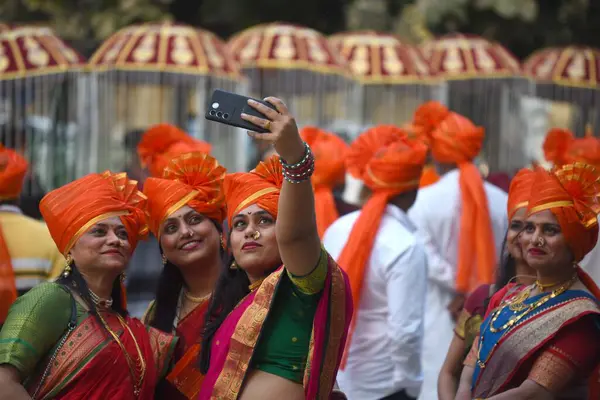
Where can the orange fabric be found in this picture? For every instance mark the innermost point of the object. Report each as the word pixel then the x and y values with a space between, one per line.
pixel 429 176
pixel 456 140
pixel 330 171
pixel 388 168
pixel 163 142
pixel 260 186
pixel 71 209
pixel 520 191
pixel 585 150
pixel 13 168
pixel 570 193
pixel 556 146
pixel 192 174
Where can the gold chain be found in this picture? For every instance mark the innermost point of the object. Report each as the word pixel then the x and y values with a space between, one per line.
pixel 133 367
pixel 256 284
pixel 195 299
pixel 511 322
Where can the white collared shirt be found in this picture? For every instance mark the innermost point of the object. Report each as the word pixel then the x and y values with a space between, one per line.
pixel 384 356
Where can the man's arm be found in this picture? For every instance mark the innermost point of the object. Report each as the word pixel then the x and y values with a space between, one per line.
pixel 406 281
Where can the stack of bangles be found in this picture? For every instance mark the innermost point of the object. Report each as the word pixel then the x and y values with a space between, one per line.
pixel 302 170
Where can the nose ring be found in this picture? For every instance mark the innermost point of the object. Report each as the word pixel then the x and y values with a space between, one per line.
pixel 255 235
pixel 541 242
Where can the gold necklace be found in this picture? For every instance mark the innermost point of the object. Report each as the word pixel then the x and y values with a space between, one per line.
pixel 136 367
pixel 256 284
pixel 195 299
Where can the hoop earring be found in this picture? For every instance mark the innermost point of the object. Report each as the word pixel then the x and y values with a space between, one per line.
pixel 68 269
pixel 164 260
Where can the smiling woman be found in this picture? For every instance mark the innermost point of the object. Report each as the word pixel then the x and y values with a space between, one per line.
pixel 187 208
pixel 84 343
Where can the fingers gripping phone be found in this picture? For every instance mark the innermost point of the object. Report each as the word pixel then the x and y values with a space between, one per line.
pixel 227 108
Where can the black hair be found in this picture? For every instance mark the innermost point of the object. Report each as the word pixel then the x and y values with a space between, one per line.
pixel 506 273
pixel 167 293
pixel 132 139
pixel 75 282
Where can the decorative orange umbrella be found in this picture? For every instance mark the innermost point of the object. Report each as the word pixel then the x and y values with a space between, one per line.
pixel 568 74
pixel 297 64
pixel 484 83
pixel 39 74
pixel 163 72
pixel 393 77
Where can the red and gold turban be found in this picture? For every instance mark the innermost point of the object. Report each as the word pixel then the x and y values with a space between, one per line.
pixel 519 191
pixel 13 168
pixel 193 179
pixel 571 194
pixel 389 164
pixel 71 210
pixel 260 186
pixel 330 171
pixel 456 140
pixel 163 142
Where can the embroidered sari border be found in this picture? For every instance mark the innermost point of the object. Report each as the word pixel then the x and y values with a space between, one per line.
pixel 526 338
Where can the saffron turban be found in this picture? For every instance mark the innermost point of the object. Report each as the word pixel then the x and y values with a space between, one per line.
pixel 330 171
pixel 261 186
pixel 72 209
pixel 13 168
pixel 429 175
pixel 389 164
pixel 163 142
pixel 519 191
pixel 193 179
pixel 561 147
pixel 456 140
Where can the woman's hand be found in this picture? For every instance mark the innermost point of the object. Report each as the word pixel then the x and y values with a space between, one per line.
pixel 283 133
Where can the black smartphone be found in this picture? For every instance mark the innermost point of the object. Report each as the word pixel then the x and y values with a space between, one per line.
pixel 227 108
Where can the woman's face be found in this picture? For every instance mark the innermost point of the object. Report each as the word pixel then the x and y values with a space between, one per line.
pixel 256 253
pixel 512 236
pixel 104 247
pixel 544 246
pixel 187 238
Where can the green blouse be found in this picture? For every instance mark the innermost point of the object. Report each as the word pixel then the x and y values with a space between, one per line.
pixel 35 323
pixel 282 349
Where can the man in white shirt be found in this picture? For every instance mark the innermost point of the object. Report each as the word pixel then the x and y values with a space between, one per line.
pixel 462 223
pixel 387 269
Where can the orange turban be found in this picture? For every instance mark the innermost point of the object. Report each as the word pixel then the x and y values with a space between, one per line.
pixel 519 191
pixel 13 168
pixel 388 168
pixel 561 147
pixel 456 140
pixel 163 142
pixel 71 210
pixel 571 194
pixel 193 179
pixel 416 132
pixel 330 171
pixel 260 186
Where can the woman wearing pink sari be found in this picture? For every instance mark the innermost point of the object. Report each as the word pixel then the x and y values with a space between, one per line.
pixel 277 323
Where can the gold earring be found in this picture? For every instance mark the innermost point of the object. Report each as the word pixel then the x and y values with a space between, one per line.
pixel 122 277
pixel 233 265
pixel 164 259
pixel 68 269
pixel 222 241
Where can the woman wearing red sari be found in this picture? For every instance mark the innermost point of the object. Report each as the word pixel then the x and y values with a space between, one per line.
pixel 186 208
pixel 279 315
pixel 541 341
pixel 73 339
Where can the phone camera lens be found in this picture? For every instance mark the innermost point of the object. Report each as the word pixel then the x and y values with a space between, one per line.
pixel 226 116
pixel 219 114
pixel 213 112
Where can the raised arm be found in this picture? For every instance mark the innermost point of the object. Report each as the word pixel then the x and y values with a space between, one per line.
pixel 297 236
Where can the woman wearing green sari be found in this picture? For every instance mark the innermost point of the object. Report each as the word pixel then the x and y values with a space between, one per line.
pixel 73 339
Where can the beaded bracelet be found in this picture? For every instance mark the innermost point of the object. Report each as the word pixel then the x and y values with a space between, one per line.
pixel 302 170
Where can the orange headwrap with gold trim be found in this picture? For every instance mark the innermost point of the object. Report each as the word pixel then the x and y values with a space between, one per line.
pixel 330 171
pixel 13 168
pixel 193 179
pixel 71 210
pixel 519 191
pixel 571 194
pixel 456 140
pixel 388 164
pixel 163 142
pixel 261 186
